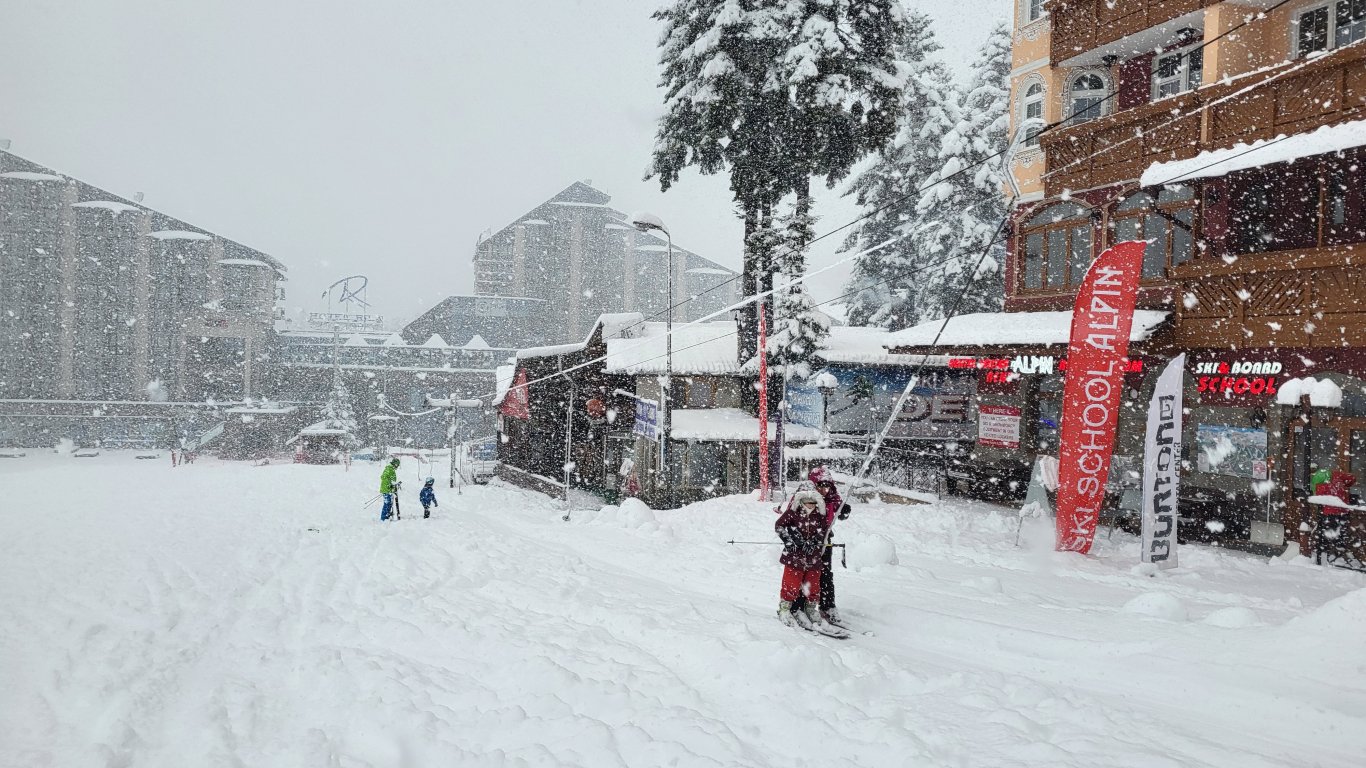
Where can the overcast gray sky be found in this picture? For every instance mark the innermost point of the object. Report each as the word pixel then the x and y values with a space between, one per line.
pixel 357 136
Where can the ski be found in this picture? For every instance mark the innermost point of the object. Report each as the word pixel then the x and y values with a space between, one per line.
pixel 838 633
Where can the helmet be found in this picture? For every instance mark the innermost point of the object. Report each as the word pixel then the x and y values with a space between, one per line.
pixel 394 462
pixel 430 480
pixel 820 475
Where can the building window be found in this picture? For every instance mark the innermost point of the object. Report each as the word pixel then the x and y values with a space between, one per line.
pixel 1089 95
pixel 1033 10
pixel 1032 114
pixel 1177 72
pixel 1306 204
pixel 1330 26
pixel 1166 221
pixel 1056 248
pixel 705 465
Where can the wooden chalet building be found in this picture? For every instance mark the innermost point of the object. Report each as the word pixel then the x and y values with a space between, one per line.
pixel 1231 135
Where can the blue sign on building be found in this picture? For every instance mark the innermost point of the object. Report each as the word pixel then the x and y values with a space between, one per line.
pixel 647 420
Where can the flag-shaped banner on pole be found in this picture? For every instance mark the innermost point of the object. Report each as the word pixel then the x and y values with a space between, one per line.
pixel 1091 390
pixel 1162 466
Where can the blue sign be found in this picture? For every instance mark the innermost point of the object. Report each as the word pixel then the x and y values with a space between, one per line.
pixel 805 405
pixel 647 420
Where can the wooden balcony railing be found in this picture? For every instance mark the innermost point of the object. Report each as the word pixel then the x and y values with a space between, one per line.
pixel 1117 148
pixel 1078 26
pixel 1303 298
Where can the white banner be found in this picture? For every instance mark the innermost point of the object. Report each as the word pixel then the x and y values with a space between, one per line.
pixel 1162 466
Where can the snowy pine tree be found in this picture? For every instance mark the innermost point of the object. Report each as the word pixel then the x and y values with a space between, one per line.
pixel 884 284
pixel 799 327
pixel 959 216
pixel 775 93
pixel 337 410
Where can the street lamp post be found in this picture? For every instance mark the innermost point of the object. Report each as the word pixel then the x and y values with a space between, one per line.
pixel 646 222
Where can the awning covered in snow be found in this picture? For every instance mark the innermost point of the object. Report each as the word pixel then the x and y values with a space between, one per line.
pixel 733 424
pixel 1240 157
pixel 989 329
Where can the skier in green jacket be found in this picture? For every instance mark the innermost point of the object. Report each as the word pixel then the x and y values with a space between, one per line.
pixel 388 485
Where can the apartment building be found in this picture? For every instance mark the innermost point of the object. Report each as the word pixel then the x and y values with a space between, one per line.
pixel 1230 135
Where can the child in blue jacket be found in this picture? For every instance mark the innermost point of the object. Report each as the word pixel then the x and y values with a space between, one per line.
pixel 427 497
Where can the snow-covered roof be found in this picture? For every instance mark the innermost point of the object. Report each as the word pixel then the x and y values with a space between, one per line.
pixel 1218 162
pixel 113 206
pixel 534 221
pixel 816 453
pixel 988 329
pixel 263 409
pixel 729 424
pixel 436 342
pixel 617 225
pixel 356 340
pixel 707 271
pixel 551 350
pixel 30 176
pixel 698 349
pixel 395 340
pixel 613 325
pixel 323 428
pixel 243 263
pixel 655 248
pixel 857 345
pixel 178 234
pixel 575 204
pixel 502 382
pixel 476 342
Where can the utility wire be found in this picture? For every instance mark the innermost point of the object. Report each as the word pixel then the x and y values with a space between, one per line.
pixel 756 297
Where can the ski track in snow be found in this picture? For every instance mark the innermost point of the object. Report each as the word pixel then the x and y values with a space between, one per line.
pixel 152 616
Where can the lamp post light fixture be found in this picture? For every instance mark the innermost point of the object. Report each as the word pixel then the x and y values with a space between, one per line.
pixel 647 222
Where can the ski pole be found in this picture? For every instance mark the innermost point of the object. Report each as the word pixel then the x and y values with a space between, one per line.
pixel 765 543
pixel 372 501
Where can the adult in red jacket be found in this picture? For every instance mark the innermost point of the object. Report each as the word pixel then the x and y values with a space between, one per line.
pixel 835 508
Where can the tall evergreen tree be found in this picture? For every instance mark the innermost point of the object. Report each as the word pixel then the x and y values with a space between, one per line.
pixel 337 410
pixel 884 283
pixel 959 216
pixel 775 92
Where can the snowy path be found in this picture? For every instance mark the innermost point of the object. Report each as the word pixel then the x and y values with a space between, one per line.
pixel 159 617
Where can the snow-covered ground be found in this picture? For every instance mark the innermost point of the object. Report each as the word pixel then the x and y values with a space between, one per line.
pixel 223 614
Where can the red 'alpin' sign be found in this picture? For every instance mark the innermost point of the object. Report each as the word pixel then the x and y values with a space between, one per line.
pixel 1092 387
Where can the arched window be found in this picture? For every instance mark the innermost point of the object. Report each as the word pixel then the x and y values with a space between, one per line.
pixel 1167 220
pixel 1055 248
pixel 1031 114
pixel 1089 94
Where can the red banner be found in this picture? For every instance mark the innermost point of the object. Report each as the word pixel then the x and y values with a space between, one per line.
pixel 1092 389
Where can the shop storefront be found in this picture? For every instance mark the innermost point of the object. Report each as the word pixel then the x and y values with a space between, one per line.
pixel 1015 363
pixel 1260 424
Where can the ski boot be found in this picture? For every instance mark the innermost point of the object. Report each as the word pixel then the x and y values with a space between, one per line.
pixel 785 614
pixel 819 624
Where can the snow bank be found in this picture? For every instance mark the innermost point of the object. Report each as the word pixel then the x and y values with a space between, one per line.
pixel 1158 605
pixel 875 550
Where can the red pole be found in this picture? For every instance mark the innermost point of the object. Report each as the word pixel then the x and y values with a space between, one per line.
pixel 763 403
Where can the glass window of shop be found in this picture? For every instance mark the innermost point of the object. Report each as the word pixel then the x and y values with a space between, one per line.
pixel 1306 204
pixel 1166 219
